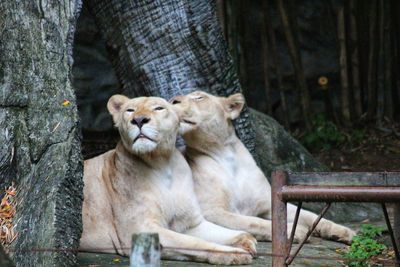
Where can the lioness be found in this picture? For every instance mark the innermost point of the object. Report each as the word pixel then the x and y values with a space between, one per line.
pixel 145 185
pixel 231 188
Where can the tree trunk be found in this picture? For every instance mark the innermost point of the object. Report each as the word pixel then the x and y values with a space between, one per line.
pixel 242 34
pixel 372 61
pixel 396 60
pixel 388 55
pixel 170 47
pixel 222 17
pixel 39 133
pixel 266 56
pixel 277 66
pixel 344 73
pixel 355 66
pixel 296 61
pixel 381 65
pixel 232 14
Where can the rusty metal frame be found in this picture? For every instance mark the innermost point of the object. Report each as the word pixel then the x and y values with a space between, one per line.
pixel 371 187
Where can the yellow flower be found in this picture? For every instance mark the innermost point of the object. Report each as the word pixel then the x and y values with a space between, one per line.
pixel 323 81
pixel 66 103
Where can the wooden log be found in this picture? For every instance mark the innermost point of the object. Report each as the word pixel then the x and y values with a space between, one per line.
pixel 145 250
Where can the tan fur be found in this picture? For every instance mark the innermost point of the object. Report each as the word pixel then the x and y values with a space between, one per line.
pixel 146 185
pixel 232 190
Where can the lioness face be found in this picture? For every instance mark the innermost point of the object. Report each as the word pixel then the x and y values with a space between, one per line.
pixel 146 124
pixel 211 115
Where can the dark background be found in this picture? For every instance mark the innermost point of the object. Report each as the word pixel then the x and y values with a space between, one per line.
pixel 353 45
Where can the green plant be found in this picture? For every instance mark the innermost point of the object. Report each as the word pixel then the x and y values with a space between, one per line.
pixel 356 136
pixel 364 246
pixel 324 134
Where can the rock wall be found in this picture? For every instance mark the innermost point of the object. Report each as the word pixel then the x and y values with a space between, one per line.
pixel 39 131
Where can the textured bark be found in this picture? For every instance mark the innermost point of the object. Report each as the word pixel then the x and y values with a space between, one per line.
pixel 39 137
pixel 170 47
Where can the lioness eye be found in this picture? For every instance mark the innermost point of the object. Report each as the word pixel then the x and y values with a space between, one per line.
pixel 130 110
pixel 198 98
pixel 159 108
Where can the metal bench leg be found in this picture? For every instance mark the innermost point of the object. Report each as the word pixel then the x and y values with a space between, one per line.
pixel 396 225
pixel 389 226
pixel 279 221
pixel 310 231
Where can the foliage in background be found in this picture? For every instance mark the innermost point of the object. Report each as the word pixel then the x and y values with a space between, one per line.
pixel 364 246
pixel 324 134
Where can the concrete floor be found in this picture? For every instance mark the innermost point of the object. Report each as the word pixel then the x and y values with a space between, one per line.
pixel 315 248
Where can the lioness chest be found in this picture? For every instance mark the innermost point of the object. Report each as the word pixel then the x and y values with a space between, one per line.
pixel 164 194
pixel 246 186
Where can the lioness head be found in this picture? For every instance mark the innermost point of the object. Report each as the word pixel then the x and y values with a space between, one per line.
pixel 204 117
pixel 146 124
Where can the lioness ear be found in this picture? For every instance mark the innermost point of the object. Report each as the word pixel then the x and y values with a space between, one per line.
pixel 115 103
pixel 234 105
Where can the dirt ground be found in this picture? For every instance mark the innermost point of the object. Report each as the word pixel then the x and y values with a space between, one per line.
pixel 379 150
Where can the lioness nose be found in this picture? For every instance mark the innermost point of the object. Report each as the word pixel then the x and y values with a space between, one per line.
pixel 139 121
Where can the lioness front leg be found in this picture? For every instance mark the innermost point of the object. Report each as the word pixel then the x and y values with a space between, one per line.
pixel 179 246
pixel 325 228
pixel 224 236
pixel 260 228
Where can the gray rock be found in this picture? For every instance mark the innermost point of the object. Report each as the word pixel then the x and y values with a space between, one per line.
pixel 278 150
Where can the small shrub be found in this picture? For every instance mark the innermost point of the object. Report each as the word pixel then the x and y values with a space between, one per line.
pixel 324 134
pixel 365 246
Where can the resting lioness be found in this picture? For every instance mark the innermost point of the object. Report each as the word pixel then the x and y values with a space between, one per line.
pixel 231 188
pixel 145 185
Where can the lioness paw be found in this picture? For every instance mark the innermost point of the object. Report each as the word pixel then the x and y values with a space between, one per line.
pixel 336 232
pixel 247 242
pixel 343 234
pixel 236 256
